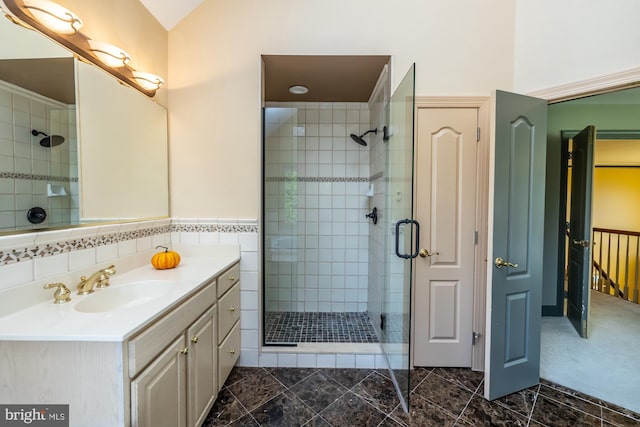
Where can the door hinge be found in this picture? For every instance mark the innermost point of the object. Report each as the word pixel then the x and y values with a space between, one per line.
pixel 475 336
pixel 475 237
pixel 478 135
pixel 565 294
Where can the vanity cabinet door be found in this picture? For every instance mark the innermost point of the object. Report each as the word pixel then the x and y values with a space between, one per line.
pixel 202 367
pixel 158 394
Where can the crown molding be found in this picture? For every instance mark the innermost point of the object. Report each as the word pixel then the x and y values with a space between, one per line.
pixel 593 86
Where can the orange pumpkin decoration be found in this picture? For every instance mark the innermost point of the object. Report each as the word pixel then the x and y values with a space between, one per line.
pixel 165 260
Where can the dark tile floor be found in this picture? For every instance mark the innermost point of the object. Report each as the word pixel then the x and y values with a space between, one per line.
pixel 360 397
pixel 298 327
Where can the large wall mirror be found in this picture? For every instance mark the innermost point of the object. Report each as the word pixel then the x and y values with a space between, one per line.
pixel 76 146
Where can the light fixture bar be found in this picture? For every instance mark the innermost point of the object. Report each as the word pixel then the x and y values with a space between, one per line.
pixel 108 57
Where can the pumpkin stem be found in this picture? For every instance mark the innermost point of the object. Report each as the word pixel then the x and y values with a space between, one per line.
pixel 166 249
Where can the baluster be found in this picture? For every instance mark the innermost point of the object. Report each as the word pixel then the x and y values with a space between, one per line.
pixel 617 282
pixel 626 271
pixel 636 293
pixel 608 270
pixel 600 280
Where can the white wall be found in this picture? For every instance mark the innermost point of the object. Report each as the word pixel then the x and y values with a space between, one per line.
pixel 462 47
pixel 560 42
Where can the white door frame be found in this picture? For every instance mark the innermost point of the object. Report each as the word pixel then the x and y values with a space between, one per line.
pixel 482 104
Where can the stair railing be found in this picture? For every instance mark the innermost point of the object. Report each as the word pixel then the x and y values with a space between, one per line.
pixel 616 263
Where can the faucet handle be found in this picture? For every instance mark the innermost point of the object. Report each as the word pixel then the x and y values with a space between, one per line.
pixel 103 279
pixel 62 293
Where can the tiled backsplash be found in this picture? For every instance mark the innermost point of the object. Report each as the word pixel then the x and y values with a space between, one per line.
pixel 37 256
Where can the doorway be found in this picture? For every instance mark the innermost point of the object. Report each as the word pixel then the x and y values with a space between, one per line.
pixel 616 110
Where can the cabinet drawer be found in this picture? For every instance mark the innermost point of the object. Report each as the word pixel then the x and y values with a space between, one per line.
pixel 228 353
pixel 228 311
pixel 146 345
pixel 228 278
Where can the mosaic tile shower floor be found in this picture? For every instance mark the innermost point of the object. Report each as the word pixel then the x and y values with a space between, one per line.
pixel 360 398
pixel 299 327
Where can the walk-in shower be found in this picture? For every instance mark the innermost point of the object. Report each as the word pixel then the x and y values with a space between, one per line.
pixel 316 234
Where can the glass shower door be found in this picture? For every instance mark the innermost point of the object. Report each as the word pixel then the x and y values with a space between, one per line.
pixel 283 256
pixel 402 231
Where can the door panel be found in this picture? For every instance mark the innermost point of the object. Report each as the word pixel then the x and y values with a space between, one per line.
pixel 446 154
pixel 397 217
pixel 443 310
pixel 515 285
pixel 580 230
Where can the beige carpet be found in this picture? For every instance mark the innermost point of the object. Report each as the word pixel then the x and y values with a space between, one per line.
pixel 607 364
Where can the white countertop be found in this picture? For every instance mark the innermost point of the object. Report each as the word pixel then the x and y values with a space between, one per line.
pixel 62 322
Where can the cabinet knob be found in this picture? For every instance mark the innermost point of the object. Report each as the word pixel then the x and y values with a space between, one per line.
pixel 232 309
pixel 232 278
pixel 232 351
pixel 194 340
pixel 184 350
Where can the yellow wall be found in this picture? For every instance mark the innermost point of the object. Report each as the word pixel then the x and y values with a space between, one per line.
pixel 616 202
pixel 461 47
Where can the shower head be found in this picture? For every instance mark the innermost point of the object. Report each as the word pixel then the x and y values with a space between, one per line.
pixel 359 139
pixel 48 140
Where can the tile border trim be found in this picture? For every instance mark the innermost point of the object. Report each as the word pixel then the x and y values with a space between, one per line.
pixel 36 177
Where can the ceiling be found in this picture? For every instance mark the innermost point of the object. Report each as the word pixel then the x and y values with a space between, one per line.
pixel 170 12
pixel 50 77
pixel 328 78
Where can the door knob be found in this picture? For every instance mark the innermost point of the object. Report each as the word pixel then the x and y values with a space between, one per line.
pixel 502 263
pixel 425 253
pixel 583 243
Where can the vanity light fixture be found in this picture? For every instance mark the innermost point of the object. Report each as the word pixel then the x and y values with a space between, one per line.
pixel 298 89
pixel 147 80
pixel 62 26
pixel 53 16
pixel 108 54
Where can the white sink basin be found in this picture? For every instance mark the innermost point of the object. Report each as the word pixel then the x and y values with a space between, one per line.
pixel 124 296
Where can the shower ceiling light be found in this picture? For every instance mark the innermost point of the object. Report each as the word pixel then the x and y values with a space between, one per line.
pixel 53 16
pixel 147 80
pixel 298 89
pixel 108 54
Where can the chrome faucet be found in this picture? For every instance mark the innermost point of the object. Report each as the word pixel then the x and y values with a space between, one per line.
pixel 100 279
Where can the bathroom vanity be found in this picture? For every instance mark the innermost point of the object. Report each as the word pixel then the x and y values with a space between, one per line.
pixel 153 349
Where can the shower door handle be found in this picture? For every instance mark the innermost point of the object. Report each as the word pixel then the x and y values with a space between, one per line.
pixel 417 238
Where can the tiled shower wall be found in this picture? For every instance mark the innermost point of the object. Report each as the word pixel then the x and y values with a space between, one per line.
pixel 32 175
pixel 316 233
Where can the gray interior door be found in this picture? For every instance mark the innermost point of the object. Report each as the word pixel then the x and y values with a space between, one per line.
pixel 515 289
pixel 580 231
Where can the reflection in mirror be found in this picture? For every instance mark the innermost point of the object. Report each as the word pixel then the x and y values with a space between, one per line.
pixel 48 131
pixel 123 150
pixel 38 140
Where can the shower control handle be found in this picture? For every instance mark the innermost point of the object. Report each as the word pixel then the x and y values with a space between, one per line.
pixel 373 215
